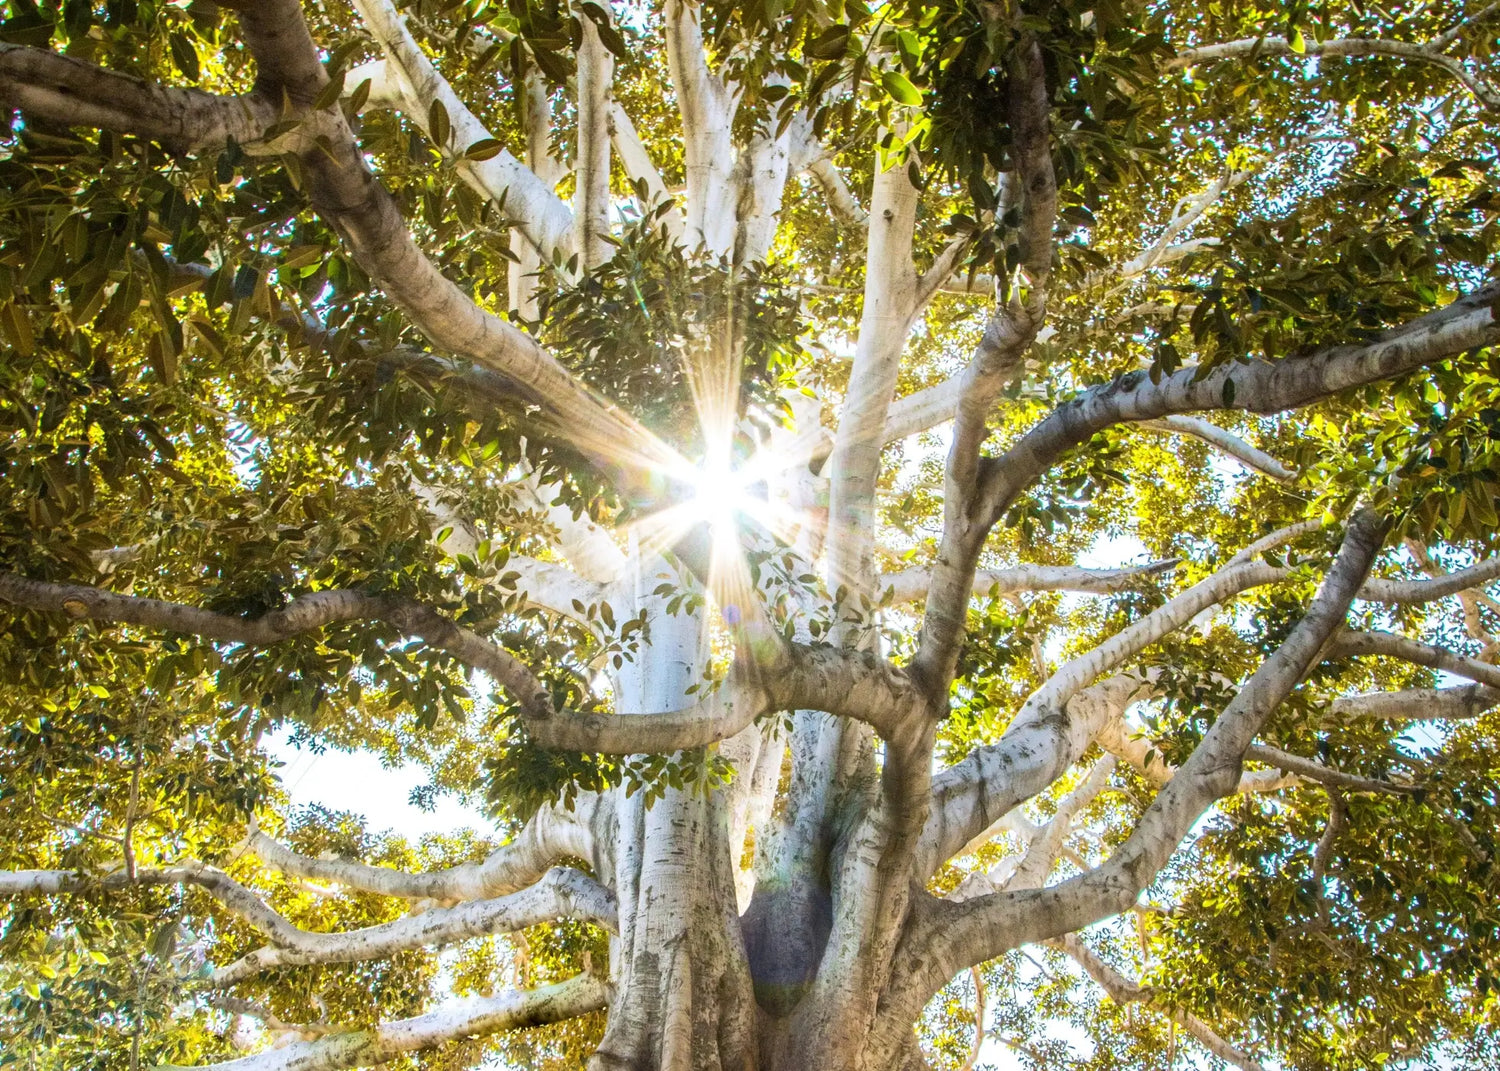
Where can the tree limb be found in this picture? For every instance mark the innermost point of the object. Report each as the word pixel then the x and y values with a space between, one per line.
pixel 1419 591
pixel 1256 47
pixel 1123 991
pixel 1225 441
pixel 954 936
pixel 911 584
pixel 561 893
pixel 1258 386
pixel 305 613
pixel 1047 736
pixel 234 897
pixel 1325 775
pixel 537 211
pixel 707 108
pixel 1420 704
pixel 472 1018
pixel 60 89
pixel 1389 645
pixel 548 836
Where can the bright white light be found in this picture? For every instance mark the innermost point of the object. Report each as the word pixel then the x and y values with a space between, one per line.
pixel 720 495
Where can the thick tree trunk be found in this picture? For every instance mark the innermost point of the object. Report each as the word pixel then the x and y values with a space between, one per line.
pixel 682 997
pixel 682 990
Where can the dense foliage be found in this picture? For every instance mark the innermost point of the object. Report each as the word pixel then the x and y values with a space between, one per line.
pixel 204 399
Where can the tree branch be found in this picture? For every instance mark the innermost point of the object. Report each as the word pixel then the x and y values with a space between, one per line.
pixel 707 108
pixel 1420 704
pixel 1256 47
pixel 561 893
pixel 305 613
pixel 594 82
pixel 234 897
pixel 1047 736
pixel 1224 441
pixel 1389 645
pixel 1324 775
pixel 911 584
pixel 841 200
pixel 1419 591
pixel 640 168
pixel 951 937
pixel 60 89
pixel 1258 386
pixel 472 1018
pixel 548 836
pixel 1123 991
pixel 536 210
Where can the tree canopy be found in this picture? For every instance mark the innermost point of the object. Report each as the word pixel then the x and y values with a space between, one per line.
pixel 926 528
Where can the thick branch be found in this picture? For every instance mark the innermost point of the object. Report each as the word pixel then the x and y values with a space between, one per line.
pixel 1418 591
pixel 1419 704
pixel 596 69
pixel 472 1018
pixel 911 584
pixel 47 87
pixel 960 935
pixel 303 614
pixel 841 200
pixel 540 215
pixel 707 108
pixel 562 893
pixel 1047 735
pixel 1389 645
pixel 640 167
pixel 547 837
pixel 1257 386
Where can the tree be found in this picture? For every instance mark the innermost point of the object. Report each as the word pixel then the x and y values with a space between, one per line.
pixel 680 426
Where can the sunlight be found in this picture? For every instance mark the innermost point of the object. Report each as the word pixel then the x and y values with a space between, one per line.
pixel 721 495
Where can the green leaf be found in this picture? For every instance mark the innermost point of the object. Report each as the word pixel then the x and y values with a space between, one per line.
pixel 831 44
pixel 900 89
pixel 438 127
pixel 484 149
pixel 184 55
pixel 1297 43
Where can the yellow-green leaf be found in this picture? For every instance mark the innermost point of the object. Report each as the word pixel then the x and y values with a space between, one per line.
pixel 899 88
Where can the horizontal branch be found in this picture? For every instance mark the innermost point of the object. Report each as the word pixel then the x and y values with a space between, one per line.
pixel 1389 645
pixel 303 614
pixel 234 897
pixel 1325 775
pixel 561 893
pixel 51 88
pixel 1259 386
pixel 1124 991
pixel 1418 591
pixel 911 584
pixel 791 677
pixel 547 837
pixel 1269 47
pixel 1420 704
pixel 472 1018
